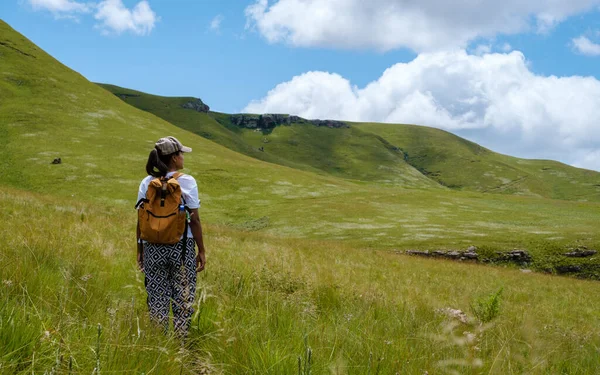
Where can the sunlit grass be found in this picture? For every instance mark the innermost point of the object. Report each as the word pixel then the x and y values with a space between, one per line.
pixel 300 264
pixel 263 300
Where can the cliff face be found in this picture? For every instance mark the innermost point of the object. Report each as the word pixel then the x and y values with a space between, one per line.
pixel 270 121
pixel 196 105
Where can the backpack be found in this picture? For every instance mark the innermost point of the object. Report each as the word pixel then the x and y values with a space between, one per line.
pixel 162 213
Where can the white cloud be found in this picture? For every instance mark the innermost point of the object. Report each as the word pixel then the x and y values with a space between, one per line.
pixel 494 99
pixel 61 7
pixel 420 25
pixel 114 17
pixel 585 46
pixel 482 49
pixel 506 47
pixel 589 159
pixel 215 24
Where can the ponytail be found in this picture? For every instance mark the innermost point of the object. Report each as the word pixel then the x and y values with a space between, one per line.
pixel 157 165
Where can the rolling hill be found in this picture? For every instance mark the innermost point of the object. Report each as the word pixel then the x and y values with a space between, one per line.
pixel 49 111
pixel 380 153
pixel 301 276
pixel 346 152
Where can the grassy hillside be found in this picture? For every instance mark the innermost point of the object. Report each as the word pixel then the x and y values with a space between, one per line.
pixel 464 165
pixel 49 111
pixel 346 153
pixel 298 262
pixel 382 153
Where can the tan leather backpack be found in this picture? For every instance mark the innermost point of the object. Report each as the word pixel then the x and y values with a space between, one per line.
pixel 162 214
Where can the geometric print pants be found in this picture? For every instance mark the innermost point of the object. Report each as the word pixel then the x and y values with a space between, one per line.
pixel 170 284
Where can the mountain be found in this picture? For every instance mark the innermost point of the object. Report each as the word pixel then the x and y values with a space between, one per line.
pixel 321 181
pixel 460 164
pixel 342 152
pixel 307 270
pixel 392 154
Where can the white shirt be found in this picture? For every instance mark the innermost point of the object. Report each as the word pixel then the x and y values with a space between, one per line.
pixel 189 191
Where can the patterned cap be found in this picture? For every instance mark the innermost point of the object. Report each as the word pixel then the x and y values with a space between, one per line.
pixel 170 145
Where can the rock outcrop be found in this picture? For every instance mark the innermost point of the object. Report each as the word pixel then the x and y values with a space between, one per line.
pixel 270 121
pixel 124 96
pixel 470 253
pixel 568 268
pixel 513 256
pixel 196 105
pixel 580 252
pixel 579 268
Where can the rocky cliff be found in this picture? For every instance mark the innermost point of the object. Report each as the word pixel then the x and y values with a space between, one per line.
pixel 270 121
pixel 196 105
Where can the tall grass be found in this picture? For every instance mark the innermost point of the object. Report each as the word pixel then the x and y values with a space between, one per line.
pixel 293 268
pixel 49 111
pixel 265 302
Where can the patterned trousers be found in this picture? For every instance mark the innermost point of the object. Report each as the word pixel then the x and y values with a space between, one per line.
pixel 171 284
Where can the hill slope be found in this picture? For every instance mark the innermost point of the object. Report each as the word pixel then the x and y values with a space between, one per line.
pixel 73 301
pixel 345 152
pixel 381 153
pixel 49 111
pixel 461 164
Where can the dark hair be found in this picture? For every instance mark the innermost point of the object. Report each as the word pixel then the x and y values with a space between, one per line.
pixel 158 164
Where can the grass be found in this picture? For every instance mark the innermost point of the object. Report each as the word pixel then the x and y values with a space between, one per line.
pixel 263 301
pixel 103 143
pixel 464 165
pixel 389 154
pixel 298 262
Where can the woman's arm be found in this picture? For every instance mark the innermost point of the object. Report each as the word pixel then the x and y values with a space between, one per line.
pixel 140 248
pixel 196 227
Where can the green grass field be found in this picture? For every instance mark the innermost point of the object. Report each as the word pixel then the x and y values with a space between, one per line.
pixel 302 276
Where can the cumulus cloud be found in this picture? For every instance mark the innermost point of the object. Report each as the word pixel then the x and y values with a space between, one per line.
pixel 493 98
pixel 215 24
pixel 506 47
pixel 114 17
pixel 420 25
pixel 61 7
pixel 589 159
pixel 482 49
pixel 585 46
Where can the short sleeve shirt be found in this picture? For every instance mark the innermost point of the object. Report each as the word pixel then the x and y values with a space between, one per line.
pixel 189 191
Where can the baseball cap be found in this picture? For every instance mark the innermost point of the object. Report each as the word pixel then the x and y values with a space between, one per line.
pixel 170 145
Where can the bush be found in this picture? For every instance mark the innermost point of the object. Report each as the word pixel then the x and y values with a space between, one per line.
pixel 487 308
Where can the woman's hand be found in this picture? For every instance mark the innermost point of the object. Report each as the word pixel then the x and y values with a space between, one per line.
pixel 200 261
pixel 196 228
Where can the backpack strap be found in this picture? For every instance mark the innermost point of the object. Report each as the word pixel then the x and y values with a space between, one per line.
pixel 139 203
pixel 163 191
pixel 184 239
pixel 176 176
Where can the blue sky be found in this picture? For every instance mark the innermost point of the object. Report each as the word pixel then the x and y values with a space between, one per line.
pixel 483 71
pixel 183 56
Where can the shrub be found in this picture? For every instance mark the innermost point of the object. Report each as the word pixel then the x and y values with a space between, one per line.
pixel 487 308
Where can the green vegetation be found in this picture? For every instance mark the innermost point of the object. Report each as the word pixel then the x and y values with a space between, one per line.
pixel 487 308
pixel 300 264
pixel 264 301
pixel 393 154
pixel 458 163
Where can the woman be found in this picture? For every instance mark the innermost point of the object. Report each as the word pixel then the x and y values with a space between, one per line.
pixel 170 280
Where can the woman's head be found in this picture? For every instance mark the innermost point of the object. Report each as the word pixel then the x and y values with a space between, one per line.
pixel 166 156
